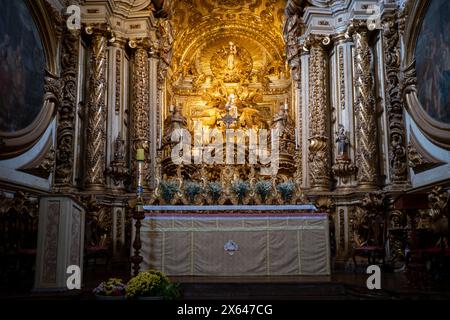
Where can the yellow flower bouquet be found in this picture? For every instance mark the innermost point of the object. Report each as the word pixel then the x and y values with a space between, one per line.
pixel 151 283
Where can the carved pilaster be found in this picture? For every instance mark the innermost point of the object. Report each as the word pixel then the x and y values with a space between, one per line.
pixel 140 112
pixel 394 104
pixel 67 109
pixel 366 156
pixel 319 148
pixel 96 131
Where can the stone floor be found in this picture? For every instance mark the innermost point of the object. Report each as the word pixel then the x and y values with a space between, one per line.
pixel 341 285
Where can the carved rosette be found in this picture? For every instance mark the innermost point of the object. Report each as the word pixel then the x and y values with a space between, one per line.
pixel 318 140
pixel 96 133
pixel 365 112
pixel 394 104
pixel 67 109
pixel 141 106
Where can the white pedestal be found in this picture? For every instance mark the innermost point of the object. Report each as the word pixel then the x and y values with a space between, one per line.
pixel 60 242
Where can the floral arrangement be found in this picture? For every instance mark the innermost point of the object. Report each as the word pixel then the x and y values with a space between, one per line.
pixel 113 287
pixel 168 190
pixel 263 189
pixel 287 190
pixel 240 188
pixel 151 283
pixel 192 189
pixel 214 190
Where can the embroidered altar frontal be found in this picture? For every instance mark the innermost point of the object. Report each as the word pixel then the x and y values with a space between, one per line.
pixel 236 244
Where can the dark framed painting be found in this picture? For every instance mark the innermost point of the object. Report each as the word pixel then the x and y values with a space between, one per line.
pixel 433 61
pixel 22 67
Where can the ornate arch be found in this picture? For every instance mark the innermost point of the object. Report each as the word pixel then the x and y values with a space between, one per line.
pixel 436 131
pixel 15 143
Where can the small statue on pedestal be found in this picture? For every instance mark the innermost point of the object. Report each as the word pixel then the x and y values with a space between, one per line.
pixel 343 143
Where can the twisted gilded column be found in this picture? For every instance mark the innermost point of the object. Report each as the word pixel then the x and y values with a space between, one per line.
pixel 140 112
pixel 366 128
pixel 319 148
pixel 96 127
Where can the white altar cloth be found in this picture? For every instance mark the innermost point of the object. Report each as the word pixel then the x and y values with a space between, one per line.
pixel 236 244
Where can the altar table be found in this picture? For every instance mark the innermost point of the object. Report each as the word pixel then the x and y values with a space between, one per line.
pixel 222 244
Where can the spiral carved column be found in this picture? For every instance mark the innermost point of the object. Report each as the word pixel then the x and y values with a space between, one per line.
pixel 96 131
pixel 319 149
pixel 141 109
pixel 366 128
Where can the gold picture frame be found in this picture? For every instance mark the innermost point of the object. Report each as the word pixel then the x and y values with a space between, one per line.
pixel 436 131
pixel 13 144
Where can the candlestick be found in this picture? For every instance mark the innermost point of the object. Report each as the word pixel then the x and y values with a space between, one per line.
pixel 140 155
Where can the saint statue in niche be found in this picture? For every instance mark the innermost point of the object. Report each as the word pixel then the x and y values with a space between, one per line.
pixel 343 142
pixel 231 56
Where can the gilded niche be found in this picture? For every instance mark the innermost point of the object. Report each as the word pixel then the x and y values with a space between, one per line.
pixel 231 63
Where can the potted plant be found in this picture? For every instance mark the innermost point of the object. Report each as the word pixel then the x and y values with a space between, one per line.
pixel 263 188
pixel 192 190
pixel 286 189
pixel 168 190
pixel 151 285
pixel 113 289
pixel 214 190
pixel 240 188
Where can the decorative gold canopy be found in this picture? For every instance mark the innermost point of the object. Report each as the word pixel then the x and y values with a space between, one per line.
pixel 228 47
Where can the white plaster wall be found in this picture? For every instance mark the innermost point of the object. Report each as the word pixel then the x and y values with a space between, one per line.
pixel 9 174
pixel 433 175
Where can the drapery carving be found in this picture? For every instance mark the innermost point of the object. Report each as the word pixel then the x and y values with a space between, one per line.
pixel 318 104
pixel 96 133
pixel 366 156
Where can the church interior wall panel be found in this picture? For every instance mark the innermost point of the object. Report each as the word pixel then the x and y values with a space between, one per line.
pixel 180 252
pixel 9 168
pixel 433 175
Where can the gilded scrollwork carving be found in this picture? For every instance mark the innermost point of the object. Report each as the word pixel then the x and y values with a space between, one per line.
pixel 141 107
pixel 118 80
pixel 118 170
pixel 438 199
pixel 341 78
pixel 419 159
pixel 67 109
pixel 366 156
pixel 394 104
pixel 319 148
pixel 367 222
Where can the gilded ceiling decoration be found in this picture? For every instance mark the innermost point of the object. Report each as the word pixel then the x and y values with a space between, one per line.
pixel 229 47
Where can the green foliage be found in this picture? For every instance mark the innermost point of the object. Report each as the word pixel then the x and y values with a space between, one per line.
pixel 240 188
pixel 263 189
pixel 168 190
pixel 214 190
pixel 286 189
pixel 192 189
pixel 152 283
